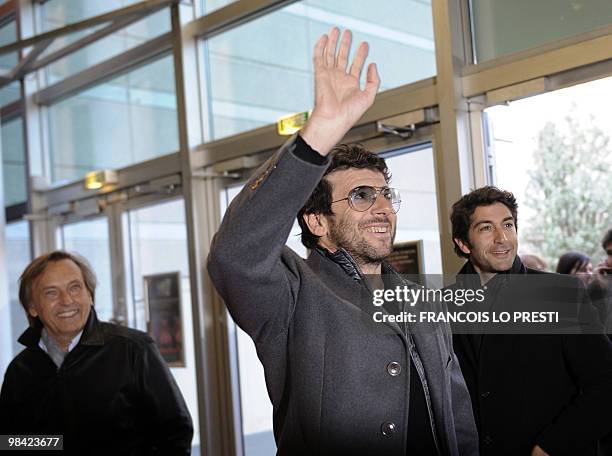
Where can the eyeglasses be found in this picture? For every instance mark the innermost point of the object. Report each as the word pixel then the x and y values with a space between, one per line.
pixel 363 198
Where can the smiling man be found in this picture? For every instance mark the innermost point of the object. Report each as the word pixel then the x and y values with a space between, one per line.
pixel 340 384
pixel 359 214
pixel 104 388
pixel 533 394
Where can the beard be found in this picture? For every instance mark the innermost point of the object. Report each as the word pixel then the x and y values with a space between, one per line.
pixel 350 237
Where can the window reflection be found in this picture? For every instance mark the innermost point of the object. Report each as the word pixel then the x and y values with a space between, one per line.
pixel 262 70
pixel 157 244
pixel 90 240
pixel 8 34
pixel 413 174
pixel 127 120
pixel 501 27
pixel 13 162
pixel 18 251
pixel 57 13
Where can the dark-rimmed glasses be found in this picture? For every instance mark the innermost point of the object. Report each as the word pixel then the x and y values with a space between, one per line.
pixel 363 197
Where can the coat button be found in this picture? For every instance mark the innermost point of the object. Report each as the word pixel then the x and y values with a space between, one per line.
pixel 485 394
pixel 388 429
pixel 394 369
pixel 487 440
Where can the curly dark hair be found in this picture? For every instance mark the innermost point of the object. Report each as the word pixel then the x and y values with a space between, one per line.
pixel 462 211
pixel 343 156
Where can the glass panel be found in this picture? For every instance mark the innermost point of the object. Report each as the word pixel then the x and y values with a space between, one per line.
pixel 553 152
pixel 90 240
pixel 256 407
pixel 13 162
pixel 57 13
pixel 18 252
pixel 151 230
pixel 8 34
pixel 139 108
pixel 211 5
pixel 413 174
pixel 501 27
pixel 9 92
pixel 105 48
pixel 263 69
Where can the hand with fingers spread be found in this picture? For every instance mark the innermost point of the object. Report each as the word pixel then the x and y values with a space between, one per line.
pixel 339 100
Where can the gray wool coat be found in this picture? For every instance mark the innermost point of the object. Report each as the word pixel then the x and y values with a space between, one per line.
pixel 325 361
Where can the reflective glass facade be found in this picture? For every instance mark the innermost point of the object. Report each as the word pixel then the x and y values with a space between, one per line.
pixel 502 27
pixel 262 70
pixel 56 12
pixel 8 33
pixel 17 239
pixel 126 120
pixel 13 162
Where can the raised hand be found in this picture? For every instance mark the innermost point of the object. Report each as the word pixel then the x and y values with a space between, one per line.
pixel 339 100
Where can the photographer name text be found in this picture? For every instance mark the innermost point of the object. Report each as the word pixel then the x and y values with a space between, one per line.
pixel 466 317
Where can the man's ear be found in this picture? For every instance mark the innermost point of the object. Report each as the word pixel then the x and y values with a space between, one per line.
pixel 465 248
pixel 32 310
pixel 317 224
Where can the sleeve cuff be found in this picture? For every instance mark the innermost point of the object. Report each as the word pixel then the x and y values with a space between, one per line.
pixel 304 152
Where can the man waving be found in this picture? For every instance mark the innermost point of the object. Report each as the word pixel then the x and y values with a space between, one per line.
pixel 339 383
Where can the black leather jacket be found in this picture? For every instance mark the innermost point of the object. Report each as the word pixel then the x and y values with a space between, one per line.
pixel 113 394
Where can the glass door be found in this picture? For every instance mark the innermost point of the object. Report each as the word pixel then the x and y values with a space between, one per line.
pixel 17 248
pixel 138 251
pixel 90 239
pixel 413 174
pixel 248 383
pixel 159 293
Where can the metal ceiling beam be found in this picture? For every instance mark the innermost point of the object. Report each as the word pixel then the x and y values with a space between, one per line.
pixel 410 97
pixel 26 62
pixel 127 177
pixel 7 9
pixel 141 9
pixel 230 16
pixel 118 19
pixel 105 70
pixel 66 50
pixel 9 111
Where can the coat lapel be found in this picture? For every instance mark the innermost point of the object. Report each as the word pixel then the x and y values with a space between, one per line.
pixel 352 290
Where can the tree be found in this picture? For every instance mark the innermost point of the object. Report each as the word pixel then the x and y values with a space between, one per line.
pixel 570 189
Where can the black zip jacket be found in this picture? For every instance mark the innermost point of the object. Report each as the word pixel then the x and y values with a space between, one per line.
pixel 113 394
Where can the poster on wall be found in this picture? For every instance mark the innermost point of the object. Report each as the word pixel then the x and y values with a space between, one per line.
pixel 407 257
pixel 164 323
